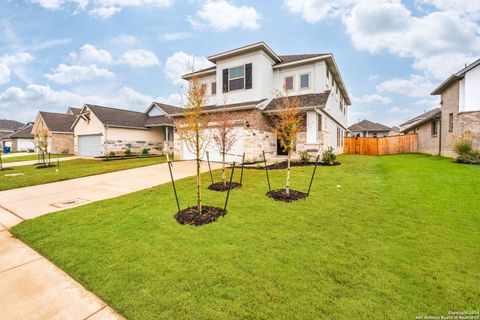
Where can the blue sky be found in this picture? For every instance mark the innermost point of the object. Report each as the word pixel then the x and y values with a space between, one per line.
pixel 126 53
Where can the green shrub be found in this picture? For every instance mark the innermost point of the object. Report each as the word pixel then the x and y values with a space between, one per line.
pixel 128 152
pixel 466 152
pixel 112 154
pixel 145 152
pixel 328 156
pixel 305 156
pixel 463 146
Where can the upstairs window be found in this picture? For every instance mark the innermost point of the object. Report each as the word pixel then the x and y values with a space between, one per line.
pixel 236 77
pixel 214 88
pixel 319 122
pixel 289 83
pixel 450 122
pixel 204 88
pixel 305 81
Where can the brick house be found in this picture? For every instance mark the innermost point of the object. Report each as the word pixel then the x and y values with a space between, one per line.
pixel 58 129
pixel 369 129
pixel 100 130
pixel 8 127
pixel 459 113
pixel 427 126
pixel 22 139
pixel 245 81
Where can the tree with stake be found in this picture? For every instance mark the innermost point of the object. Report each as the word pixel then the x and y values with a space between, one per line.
pixel 224 137
pixel 286 125
pixel 41 144
pixel 193 132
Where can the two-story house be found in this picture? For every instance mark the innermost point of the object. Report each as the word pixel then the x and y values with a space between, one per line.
pixel 246 81
pixel 458 115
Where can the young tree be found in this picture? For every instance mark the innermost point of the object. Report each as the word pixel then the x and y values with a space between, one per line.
pixel 41 143
pixel 224 137
pixel 193 132
pixel 286 124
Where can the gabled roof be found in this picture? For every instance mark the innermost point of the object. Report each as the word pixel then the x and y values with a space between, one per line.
pixel 454 77
pixel 10 125
pixel 58 122
pixel 424 117
pixel 119 117
pixel 229 107
pixel 310 100
pixel 169 109
pixel 366 125
pixel 74 111
pixel 248 48
pixel 25 133
pixel 298 57
pixel 158 121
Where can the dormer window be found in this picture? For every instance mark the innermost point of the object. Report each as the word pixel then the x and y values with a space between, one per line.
pixel 236 78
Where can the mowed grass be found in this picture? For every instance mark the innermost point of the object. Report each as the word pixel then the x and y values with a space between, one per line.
pixel 31 157
pixel 68 170
pixel 388 237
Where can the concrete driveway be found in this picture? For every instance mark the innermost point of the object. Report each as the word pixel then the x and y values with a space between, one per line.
pixel 30 202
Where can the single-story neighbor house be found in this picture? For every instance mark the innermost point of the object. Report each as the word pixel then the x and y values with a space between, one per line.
pixel 57 127
pixel 426 126
pixel 22 140
pixel 458 115
pixel 7 127
pixel 369 129
pixel 99 130
pixel 244 82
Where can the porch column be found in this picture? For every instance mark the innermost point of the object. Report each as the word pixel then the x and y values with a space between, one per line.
pixel 311 127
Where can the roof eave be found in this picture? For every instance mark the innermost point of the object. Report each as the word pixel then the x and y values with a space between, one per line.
pixel 249 107
pixel 259 45
pixel 189 76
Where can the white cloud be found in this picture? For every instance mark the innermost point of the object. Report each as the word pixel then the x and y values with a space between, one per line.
pixel 468 7
pixel 136 3
pixel 124 40
pixel 90 54
pixel 397 110
pixel 415 86
pixel 373 98
pixel 13 62
pixel 316 10
pixel 180 63
pixel 58 4
pixel 52 43
pixel 176 36
pixel 175 99
pixel 373 77
pixel 104 12
pixel 140 58
pixel 67 74
pixel 221 15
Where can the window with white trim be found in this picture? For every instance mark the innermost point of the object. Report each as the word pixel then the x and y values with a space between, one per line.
pixel 304 81
pixel 236 78
pixel 289 83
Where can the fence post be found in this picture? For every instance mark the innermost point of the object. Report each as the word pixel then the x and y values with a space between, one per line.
pixel 209 168
pixel 229 187
pixel 266 170
pixel 313 175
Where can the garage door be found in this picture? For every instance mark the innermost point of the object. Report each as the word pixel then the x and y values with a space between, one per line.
pixel 25 144
pixel 90 146
pixel 213 150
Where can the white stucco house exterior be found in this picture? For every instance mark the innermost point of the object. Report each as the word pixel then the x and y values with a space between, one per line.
pixel 246 81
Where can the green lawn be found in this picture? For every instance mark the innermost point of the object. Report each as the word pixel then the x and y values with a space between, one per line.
pixel 388 237
pixel 69 170
pixel 29 157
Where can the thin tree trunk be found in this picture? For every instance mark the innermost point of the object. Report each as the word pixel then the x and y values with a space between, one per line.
pixel 199 181
pixel 287 185
pixel 224 177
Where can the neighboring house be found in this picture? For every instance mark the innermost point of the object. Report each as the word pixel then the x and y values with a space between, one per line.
pixel 427 127
pixel 458 115
pixel 245 82
pixel 57 127
pixel 22 140
pixel 7 127
pixel 101 130
pixel 369 129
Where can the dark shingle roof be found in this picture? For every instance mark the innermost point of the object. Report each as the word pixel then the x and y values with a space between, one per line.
pixel 306 100
pixel 298 57
pixel 366 125
pixel 25 133
pixel 426 115
pixel 168 108
pixel 75 111
pixel 10 124
pixel 119 117
pixel 158 120
pixel 58 122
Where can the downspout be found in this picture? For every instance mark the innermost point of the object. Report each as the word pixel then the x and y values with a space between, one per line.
pixel 440 137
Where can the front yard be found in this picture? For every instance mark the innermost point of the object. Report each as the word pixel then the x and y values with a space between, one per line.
pixel 30 157
pixel 29 175
pixel 380 237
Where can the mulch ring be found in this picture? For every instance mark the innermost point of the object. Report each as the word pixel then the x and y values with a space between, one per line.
pixel 5 169
pixel 45 166
pixel 191 216
pixel 284 165
pixel 219 186
pixel 281 195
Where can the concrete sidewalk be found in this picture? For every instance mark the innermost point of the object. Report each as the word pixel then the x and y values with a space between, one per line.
pixel 32 287
pixel 32 162
pixel 30 202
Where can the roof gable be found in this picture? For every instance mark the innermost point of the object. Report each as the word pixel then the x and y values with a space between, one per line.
pixel 454 77
pixel 366 125
pixel 58 122
pixel 10 125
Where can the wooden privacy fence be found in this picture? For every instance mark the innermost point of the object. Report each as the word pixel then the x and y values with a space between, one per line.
pixel 380 146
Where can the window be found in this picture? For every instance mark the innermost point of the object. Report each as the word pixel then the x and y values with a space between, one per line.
pixel 338 137
pixel 434 128
pixel 204 88
pixel 236 78
pixel 304 81
pixel 214 88
pixel 289 83
pixel 450 122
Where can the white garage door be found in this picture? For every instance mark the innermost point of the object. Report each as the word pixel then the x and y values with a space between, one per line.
pixel 90 146
pixel 213 150
pixel 25 144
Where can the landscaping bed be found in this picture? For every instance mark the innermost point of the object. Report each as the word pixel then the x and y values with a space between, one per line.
pixel 284 165
pixel 281 195
pixel 104 158
pixel 191 215
pixel 220 186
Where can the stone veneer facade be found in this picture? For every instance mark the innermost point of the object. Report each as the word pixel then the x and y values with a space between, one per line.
pixel 120 146
pixel 258 134
pixel 464 123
